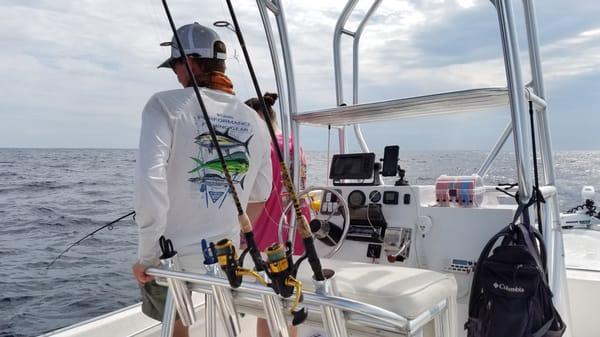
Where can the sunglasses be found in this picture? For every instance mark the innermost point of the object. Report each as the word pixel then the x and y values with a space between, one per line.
pixel 175 62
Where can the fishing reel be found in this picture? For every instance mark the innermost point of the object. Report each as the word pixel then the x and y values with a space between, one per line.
pixel 279 267
pixel 228 260
pixel 282 272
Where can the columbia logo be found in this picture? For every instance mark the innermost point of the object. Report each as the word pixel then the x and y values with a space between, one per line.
pixel 502 286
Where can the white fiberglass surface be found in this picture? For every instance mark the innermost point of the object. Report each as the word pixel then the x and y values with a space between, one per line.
pixel 582 249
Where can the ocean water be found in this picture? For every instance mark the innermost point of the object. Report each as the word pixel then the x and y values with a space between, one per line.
pixel 50 198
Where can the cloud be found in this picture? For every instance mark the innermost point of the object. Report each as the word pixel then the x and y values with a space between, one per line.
pixel 561 61
pixel 71 68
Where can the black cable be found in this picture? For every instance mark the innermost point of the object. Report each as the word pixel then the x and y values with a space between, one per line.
pixel 589 205
pixel 537 193
pixel 87 236
pixel 505 191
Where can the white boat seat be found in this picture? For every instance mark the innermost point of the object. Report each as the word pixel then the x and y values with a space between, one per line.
pixel 405 291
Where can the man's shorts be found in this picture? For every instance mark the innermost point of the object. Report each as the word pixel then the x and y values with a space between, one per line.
pixel 153 300
pixel 154 295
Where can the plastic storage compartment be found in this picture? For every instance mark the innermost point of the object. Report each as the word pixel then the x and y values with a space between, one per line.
pixel 459 191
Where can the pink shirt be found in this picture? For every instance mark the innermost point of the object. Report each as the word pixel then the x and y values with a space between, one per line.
pixel 265 228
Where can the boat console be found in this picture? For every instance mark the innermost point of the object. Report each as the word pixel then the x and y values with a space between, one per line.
pixel 407 225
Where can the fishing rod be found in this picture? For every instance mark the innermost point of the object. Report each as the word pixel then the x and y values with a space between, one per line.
pixel 227 255
pixel 89 235
pixel 279 258
pixel 303 228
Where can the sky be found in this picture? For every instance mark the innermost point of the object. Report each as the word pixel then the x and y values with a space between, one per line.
pixel 77 74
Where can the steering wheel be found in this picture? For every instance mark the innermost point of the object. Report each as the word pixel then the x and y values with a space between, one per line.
pixel 322 228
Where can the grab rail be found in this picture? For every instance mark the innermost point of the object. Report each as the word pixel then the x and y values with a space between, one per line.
pixel 250 295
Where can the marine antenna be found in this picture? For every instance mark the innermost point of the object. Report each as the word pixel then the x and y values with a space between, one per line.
pixel 303 228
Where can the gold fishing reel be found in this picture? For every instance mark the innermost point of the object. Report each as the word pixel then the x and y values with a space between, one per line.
pixel 228 260
pixel 281 270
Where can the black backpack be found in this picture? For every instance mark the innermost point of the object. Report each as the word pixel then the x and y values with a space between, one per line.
pixel 510 296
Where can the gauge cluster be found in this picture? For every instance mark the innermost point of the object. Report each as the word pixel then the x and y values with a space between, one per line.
pixel 374 211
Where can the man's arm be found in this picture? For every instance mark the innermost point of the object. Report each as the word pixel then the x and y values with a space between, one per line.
pixel 151 201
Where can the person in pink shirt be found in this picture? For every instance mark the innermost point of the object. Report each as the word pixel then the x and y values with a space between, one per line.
pixel 265 228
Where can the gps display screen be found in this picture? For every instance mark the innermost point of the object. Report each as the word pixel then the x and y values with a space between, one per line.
pixel 352 166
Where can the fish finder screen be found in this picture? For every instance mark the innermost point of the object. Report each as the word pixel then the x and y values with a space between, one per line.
pixel 352 166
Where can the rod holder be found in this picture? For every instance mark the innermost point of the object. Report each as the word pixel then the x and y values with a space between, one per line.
pixel 182 296
pixel 168 322
pixel 223 301
pixel 274 313
pixel 210 315
pixel 333 319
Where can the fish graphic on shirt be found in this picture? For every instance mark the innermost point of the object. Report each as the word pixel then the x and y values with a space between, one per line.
pixel 226 142
pixel 214 180
pixel 237 163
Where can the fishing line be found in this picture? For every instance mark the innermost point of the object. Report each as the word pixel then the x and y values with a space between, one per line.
pixel 225 24
pixel 154 18
pixel 304 229
pixel 223 8
pixel 89 235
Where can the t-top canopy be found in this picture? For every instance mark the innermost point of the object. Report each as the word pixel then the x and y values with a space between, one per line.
pixel 429 105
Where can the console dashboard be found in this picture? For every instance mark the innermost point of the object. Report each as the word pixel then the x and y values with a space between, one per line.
pixel 404 225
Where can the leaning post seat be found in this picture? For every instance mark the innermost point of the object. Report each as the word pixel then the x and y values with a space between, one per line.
pixel 408 292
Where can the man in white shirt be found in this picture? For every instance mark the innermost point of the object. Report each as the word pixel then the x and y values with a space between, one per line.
pixel 180 188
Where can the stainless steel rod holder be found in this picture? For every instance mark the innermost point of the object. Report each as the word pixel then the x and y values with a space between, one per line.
pixel 182 296
pixel 333 319
pixel 275 317
pixel 210 315
pixel 223 300
pixel 168 323
pixel 274 313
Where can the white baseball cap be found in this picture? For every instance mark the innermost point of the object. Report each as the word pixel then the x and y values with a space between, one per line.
pixel 197 40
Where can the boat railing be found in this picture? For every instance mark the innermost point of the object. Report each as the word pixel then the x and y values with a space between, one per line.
pixel 519 89
pixel 250 298
pixel 339 31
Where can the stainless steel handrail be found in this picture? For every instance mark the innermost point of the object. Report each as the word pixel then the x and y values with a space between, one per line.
pixel 516 87
pixel 487 163
pixel 290 128
pixel 378 318
pixel 263 7
pixel 355 66
pixel 337 36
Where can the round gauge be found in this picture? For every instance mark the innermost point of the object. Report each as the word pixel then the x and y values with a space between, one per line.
pixel 356 198
pixel 375 196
